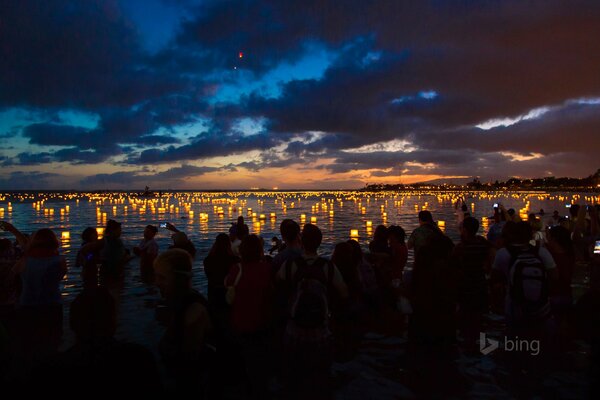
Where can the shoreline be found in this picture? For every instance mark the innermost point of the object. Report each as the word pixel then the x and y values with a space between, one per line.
pixel 398 190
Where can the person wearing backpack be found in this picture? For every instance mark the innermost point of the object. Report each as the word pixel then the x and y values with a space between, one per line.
pixel 529 273
pixel 314 284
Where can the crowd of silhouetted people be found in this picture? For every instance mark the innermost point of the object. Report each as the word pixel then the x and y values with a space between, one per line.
pixel 272 323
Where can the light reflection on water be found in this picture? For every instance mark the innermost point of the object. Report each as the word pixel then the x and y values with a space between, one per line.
pixel 351 211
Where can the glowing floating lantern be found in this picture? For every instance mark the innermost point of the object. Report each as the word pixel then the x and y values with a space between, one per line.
pixel 441 224
pixel 353 233
pixel 369 224
pixel 65 235
pixel 313 220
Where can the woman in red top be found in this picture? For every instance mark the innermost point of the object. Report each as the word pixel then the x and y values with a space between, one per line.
pixel 250 311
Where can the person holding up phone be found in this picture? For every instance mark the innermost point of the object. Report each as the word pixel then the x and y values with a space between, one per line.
pixel 147 250
pixel 180 240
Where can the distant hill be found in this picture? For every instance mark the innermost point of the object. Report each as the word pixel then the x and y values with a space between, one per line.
pixel 590 183
pixel 446 181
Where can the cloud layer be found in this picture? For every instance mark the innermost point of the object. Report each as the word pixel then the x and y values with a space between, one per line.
pixel 242 90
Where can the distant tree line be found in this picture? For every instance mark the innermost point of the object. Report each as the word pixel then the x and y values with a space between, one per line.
pixel 591 182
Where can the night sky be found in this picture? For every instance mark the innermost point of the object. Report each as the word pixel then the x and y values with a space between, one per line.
pixel 295 94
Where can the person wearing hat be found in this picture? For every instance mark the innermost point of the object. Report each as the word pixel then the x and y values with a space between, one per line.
pixel 181 240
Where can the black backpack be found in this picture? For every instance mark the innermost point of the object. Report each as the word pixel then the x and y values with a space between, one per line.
pixel 528 283
pixel 309 306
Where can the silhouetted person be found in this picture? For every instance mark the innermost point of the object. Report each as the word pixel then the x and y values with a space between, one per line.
pixel 421 235
pixel 237 233
pixel 181 241
pixel 398 250
pixel 432 326
pixel 251 312
pixel 380 256
pixel 494 234
pixel 433 294
pixel 529 273
pixel 277 245
pixel 111 252
pixel 40 303
pixel 98 363
pixel 184 347
pixel 561 248
pixel 366 274
pixel 217 265
pixel 88 257
pixel 10 255
pixel 147 250
pixel 290 233
pixel 315 285
pixel 89 235
pixel 473 258
pixel 587 322
pixel 379 244
pixel 350 321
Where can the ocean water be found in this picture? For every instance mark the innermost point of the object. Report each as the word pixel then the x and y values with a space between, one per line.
pixel 336 213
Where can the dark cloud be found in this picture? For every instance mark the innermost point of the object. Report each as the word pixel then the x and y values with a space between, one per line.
pixel 115 179
pixel 45 134
pixel 184 171
pixel 172 176
pixel 207 145
pixel 77 54
pixel 571 127
pixel 20 180
pixel 426 72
